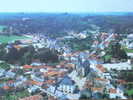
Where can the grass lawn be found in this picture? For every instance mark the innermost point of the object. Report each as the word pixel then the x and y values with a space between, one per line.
pixel 129 50
pixel 108 57
pixel 6 39
pixel 130 92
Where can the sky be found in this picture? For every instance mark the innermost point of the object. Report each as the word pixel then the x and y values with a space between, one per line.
pixel 66 5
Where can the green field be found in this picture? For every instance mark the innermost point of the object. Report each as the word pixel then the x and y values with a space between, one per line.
pixel 6 39
pixel 130 92
pixel 129 50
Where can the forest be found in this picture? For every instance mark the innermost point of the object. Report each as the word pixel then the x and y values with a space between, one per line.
pixel 60 24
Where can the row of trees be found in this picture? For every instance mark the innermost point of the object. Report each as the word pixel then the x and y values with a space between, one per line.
pixel 115 50
pixel 53 25
pixel 27 54
pixel 60 24
pixel 79 44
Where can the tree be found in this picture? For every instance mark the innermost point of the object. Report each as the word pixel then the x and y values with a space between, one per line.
pixel 123 54
pixel 2 51
pixel 46 55
pixel 85 94
pixel 12 55
pixel 116 51
pixel 4 66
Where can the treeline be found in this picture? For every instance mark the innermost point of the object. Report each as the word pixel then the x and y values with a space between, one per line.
pixel 53 24
pixel 121 24
pixel 60 24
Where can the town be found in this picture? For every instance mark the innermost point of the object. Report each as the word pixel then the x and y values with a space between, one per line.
pixel 78 75
pixel 66 57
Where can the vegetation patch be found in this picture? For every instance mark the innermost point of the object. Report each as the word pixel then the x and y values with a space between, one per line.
pixel 130 92
pixel 6 39
pixel 129 50
pixel 16 96
pixel 4 66
pixel 2 27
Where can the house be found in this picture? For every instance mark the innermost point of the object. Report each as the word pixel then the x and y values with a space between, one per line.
pixel 130 46
pixel 95 90
pixel 10 83
pixel 67 85
pixel 113 93
pixel 43 70
pixel 32 88
pixel 51 73
pixel 10 74
pixel 21 78
pixel 27 41
pixel 32 82
pixel 97 96
pixel 34 97
pixel 101 68
pixel 50 82
pixel 82 35
pixel 70 66
pixel 5 86
pixel 118 66
pixel 37 64
pixel 97 93
pixel 27 67
pixel 107 75
pixel 101 81
pixel 121 82
pixel 130 37
pixel 18 84
pixel 35 78
pixel 18 47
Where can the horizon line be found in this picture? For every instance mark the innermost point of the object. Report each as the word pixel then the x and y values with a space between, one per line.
pixel 66 12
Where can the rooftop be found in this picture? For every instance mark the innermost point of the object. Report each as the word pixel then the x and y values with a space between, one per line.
pixel 101 68
pixel 101 79
pixel 67 81
pixel 112 91
pixel 27 67
pixel 97 89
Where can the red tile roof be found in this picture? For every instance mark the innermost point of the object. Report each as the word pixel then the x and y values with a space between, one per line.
pixel 121 81
pixel 101 68
pixel 36 83
pixel 27 67
pixel 51 98
pixel 97 89
pixel 49 82
pixel 6 87
pixel 18 47
pixel 51 73
pixel 112 91
pixel 54 73
pixel 101 79
pixel 70 65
